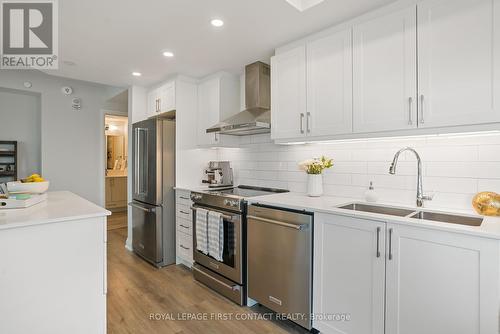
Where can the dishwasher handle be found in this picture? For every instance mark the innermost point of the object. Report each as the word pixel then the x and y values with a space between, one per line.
pixel 300 227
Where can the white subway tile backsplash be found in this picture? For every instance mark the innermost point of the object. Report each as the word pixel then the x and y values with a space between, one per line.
pixel 488 185
pixel 454 168
pixel 489 153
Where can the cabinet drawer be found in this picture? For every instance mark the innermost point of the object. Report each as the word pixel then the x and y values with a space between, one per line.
pixel 184 246
pixel 183 197
pixel 183 211
pixel 184 225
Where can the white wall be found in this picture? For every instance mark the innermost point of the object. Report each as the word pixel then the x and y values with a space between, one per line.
pixel 454 167
pixel 20 120
pixel 72 142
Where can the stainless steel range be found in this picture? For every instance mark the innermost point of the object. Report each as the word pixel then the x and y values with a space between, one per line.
pixel 228 277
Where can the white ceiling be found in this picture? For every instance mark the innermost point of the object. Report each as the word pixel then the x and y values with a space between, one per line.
pixel 109 39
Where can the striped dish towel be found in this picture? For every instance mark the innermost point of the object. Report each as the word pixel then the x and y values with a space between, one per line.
pixel 202 230
pixel 215 235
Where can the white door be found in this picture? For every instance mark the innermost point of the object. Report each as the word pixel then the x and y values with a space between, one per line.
pixel 208 110
pixel 384 64
pixel 439 282
pixel 329 85
pixel 459 62
pixel 288 94
pixel 349 275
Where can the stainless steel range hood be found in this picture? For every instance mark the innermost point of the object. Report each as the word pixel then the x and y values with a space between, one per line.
pixel 256 118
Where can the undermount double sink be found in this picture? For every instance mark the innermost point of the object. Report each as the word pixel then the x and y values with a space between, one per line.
pixel 420 214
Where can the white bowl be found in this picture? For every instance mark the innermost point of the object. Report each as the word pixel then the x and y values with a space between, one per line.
pixel 30 188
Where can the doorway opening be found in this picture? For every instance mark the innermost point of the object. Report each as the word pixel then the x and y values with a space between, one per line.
pixel 116 166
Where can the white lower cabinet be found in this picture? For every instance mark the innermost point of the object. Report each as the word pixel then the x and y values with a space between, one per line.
pixel 348 276
pixel 424 281
pixel 441 282
pixel 184 230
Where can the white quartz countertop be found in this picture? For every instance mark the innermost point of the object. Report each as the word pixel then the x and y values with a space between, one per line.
pixel 59 206
pixel 490 228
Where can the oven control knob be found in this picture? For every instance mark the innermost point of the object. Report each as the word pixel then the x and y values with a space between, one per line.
pixel 227 202
pixel 232 203
pixel 195 197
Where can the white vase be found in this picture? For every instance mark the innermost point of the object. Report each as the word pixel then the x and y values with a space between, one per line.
pixel 314 185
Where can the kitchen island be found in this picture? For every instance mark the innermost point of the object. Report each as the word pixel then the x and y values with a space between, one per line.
pixel 53 267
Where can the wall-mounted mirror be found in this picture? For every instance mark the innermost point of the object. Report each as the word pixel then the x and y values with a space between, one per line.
pixel 115 152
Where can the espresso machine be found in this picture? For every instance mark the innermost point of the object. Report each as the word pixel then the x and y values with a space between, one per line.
pixel 219 174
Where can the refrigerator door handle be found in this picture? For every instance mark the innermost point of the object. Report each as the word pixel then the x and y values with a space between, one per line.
pixel 141 161
pixel 141 207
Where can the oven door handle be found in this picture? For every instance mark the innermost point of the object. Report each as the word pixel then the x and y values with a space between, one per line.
pixel 276 222
pixel 230 218
pixel 234 287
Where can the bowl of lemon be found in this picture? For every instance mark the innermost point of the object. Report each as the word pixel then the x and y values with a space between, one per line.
pixel 33 184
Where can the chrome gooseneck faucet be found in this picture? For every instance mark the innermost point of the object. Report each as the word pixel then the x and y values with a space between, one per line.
pixel 420 193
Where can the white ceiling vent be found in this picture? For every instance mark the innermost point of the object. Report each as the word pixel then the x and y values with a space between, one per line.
pixel 303 5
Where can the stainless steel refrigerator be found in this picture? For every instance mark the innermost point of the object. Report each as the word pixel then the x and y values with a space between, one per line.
pixel 153 205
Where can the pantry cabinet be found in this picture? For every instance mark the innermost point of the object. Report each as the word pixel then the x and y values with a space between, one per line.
pixel 161 99
pixel 218 98
pixel 385 77
pixel 412 279
pixel 459 62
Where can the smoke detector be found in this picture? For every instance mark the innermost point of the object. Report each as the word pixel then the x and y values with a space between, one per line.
pixel 303 5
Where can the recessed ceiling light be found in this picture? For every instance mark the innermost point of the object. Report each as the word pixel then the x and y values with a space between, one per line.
pixel 217 23
pixel 168 54
pixel 136 74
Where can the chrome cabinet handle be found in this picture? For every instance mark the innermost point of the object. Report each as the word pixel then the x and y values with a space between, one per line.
pixel 390 244
pixel 184 226
pixel 182 197
pixel 184 247
pixel 378 241
pixel 276 222
pixel 410 103
pixel 159 105
pixel 308 119
pixel 422 109
pixel 301 122
pixel 184 212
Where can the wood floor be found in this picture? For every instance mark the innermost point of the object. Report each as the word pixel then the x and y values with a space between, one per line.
pixel 137 290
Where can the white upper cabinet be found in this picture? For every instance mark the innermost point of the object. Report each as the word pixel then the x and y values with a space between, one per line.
pixel 349 274
pixel 161 99
pixel 439 282
pixel 384 63
pixel 459 62
pixel 329 85
pixel 218 99
pixel 288 94
pixel 208 110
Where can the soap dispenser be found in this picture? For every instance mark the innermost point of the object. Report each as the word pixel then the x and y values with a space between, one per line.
pixel 370 194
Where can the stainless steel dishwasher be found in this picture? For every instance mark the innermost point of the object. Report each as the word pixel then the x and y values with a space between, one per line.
pixel 280 261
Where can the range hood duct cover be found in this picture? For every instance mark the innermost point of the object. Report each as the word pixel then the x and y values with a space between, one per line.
pixel 256 118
